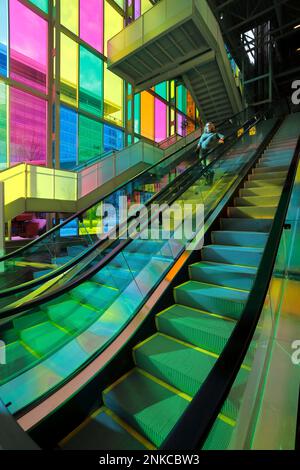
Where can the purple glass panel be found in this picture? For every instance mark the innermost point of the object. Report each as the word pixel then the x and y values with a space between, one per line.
pixel 137 9
pixel 160 120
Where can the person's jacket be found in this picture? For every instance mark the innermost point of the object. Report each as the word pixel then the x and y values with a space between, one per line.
pixel 208 140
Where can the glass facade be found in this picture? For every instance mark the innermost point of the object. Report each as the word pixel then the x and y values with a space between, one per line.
pixel 59 103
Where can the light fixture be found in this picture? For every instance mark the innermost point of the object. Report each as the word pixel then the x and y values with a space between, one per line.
pixel 297 26
pixel 298 50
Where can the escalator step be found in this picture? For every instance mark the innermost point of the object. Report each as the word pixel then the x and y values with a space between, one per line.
pixel 197 327
pixel 71 315
pixel 45 338
pixel 269 191
pixel 96 295
pixel 183 366
pixel 102 431
pixel 271 182
pixel 261 201
pixel 270 174
pixel 220 435
pixel 226 275
pixel 17 358
pixel 254 212
pixel 240 255
pixel 248 225
pixel 231 237
pixel 211 298
pixel 148 406
pixel 259 170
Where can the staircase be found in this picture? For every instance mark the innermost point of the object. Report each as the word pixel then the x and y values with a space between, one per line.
pixel 142 407
pixel 178 39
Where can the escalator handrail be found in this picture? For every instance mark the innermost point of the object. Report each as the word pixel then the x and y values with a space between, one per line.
pixel 190 432
pixel 82 211
pixel 10 311
pixel 56 272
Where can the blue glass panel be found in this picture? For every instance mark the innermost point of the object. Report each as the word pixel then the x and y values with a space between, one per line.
pixel 113 138
pixel 68 138
pixel 3 37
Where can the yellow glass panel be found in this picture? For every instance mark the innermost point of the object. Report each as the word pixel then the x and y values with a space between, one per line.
pixel 145 6
pixel 69 14
pixel 113 24
pixel 113 97
pixel 68 70
pixel 147 115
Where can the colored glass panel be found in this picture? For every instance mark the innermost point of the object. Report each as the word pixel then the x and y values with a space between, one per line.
pixel 90 139
pixel 113 24
pixel 3 126
pixel 137 8
pixel 28 46
pixel 181 125
pixel 28 124
pixel 69 14
pixel 113 97
pixel 91 82
pixel 137 113
pixel 162 90
pixel 145 6
pixel 147 115
pixel 113 138
pixel 68 137
pixel 181 98
pixel 120 3
pixel 42 4
pixel 160 120
pixel 68 70
pixel 91 23
pixel 3 37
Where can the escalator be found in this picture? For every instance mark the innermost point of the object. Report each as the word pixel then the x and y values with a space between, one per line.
pixel 141 408
pixel 66 244
pixel 84 314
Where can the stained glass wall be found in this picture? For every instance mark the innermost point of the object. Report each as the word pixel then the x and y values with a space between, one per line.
pixel 59 104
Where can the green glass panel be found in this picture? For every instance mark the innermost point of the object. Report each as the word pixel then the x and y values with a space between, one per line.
pixel 161 90
pixel 182 98
pixel 91 82
pixel 90 139
pixel 42 4
pixel 3 126
pixel 137 114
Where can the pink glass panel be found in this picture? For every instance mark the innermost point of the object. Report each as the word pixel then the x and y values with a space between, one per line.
pixel 28 46
pixel 91 23
pixel 137 9
pixel 160 120
pixel 28 124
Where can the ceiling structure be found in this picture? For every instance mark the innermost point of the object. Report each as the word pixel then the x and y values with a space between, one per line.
pixel 268 30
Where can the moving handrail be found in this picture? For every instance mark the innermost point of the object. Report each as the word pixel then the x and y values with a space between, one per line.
pixel 194 426
pixel 189 176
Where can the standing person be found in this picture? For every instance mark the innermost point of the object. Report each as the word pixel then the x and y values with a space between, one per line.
pixel 208 140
